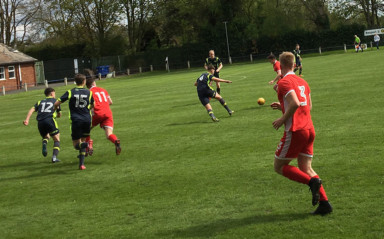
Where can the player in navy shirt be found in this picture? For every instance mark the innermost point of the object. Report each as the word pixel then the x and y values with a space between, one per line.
pixel 47 124
pixel 205 91
pixel 215 62
pixel 80 102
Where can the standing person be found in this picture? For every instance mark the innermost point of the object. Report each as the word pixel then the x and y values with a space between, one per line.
pixel 295 103
pixel 358 44
pixel 205 91
pixel 276 67
pixel 297 53
pixel 376 38
pixel 80 102
pixel 217 63
pixel 47 124
pixel 102 115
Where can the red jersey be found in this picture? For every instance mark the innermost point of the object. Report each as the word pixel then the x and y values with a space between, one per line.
pixel 276 66
pixel 301 120
pixel 101 104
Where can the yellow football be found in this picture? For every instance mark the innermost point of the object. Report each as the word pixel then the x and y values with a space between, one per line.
pixel 261 101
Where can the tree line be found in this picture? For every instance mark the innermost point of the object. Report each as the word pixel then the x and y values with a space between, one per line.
pixel 50 29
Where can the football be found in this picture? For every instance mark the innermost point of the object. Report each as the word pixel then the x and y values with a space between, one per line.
pixel 261 101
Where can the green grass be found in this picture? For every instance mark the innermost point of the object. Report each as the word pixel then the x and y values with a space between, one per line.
pixel 182 176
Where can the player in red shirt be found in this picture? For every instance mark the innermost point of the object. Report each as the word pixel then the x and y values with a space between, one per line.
pixel 295 103
pixel 102 115
pixel 276 68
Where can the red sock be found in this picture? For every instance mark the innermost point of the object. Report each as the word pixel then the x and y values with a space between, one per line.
pixel 112 138
pixel 295 174
pixel 323 195
pixel 87 139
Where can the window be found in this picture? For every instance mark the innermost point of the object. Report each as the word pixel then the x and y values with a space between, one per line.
pixel 2 73
pixel 11 72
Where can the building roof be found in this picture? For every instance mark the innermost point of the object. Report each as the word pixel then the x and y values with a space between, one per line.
pixel 9 55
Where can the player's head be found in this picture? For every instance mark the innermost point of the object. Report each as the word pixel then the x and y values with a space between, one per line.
pixel 287 60
pixel 211 54
pixel 49 92
pixel 90 82
pixel 210 68
pixel 80 79
pixel 355 36
pixel 297 46
pixel 271 58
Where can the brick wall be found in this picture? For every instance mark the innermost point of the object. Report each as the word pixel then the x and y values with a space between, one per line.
pixel 27 76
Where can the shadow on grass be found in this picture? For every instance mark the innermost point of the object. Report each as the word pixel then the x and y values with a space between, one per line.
pixel 185 105
pixel 220 226
pixel 259 107
pixel 190 123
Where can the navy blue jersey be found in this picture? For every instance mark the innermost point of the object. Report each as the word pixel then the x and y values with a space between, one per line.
pixel 213 61
pixel 80 101
pixel 203 81
pixel 45 109
pixel 297 54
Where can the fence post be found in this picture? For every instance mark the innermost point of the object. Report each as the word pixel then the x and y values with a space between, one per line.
pixel 99 75
pixel 320 49
pixel 26 87
pixel 151 66
pixel 46 83
pixel 65 81
pixel 128 71
pixel 189 65
pixel 114 74
pixel 230 60
pixel 167 66
pixel 251 57
pixel 345 47
pixel 140 70
pixel 371 46
pixel 3 90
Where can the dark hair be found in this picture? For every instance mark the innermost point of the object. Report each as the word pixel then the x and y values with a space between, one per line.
pixel 271 56
pixel 210 67
pixel 48 91
pixel 90 81
pixel 79 79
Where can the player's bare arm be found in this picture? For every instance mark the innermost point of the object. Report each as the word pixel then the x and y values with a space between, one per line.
pixel 293 104
pixel 57 104
pixel 30 112
pixel 220 80
pixel 110 102
pixel 277 78
pixel 219 68
pixel 276 106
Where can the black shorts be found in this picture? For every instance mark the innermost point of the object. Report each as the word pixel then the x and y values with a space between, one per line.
pixel 298 63
pixel 80 129
pixel 216 74
pixel 48 126
pixel 205 94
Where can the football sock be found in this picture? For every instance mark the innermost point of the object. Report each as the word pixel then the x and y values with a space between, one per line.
pixel 323 195
pixel 45 141
pixel 88 139
pixel 112 138
pixel 56 148
pixel 295 174
pixel 300 71
pixel 83 148
pixel 222 102
pixel 210 112
pixel 77 146
pixel 218 90
pixel 295 70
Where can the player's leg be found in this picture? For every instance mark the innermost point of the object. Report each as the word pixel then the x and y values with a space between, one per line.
pixel 113 138
pixel 204 99
pixel 56 147
pixel 218 89
pixel 80 131
pixel 44 145
pixel 95 122
pixel 44 132
pixel 208 107
pixel 223 103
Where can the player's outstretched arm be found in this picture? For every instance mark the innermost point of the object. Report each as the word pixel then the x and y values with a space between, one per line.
pixel 221 80
pixel 30 112
pixel 277 78
pixel 276 106
pixel 57 104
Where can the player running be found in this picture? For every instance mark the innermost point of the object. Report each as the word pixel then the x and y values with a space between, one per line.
pixel 298 64
pixel 295 103
pixel 102 115
pixel 358 44
pixel 276 67
pixel 205 91
pixel 217 63
pixel 80 102
pixel 47 124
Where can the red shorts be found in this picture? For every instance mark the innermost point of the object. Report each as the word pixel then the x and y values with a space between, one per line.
pixel 105 120
pixel 294 143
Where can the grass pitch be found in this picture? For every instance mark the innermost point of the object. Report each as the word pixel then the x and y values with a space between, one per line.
pixel 182 176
